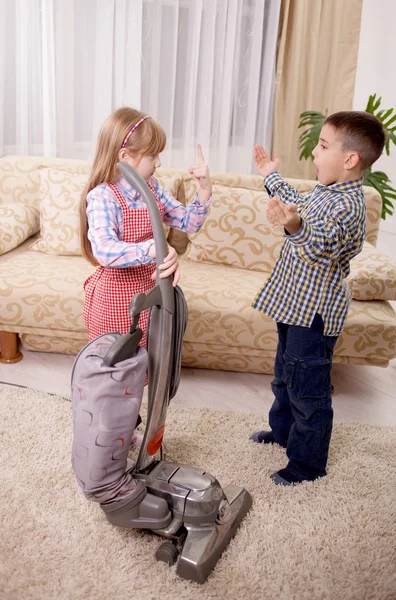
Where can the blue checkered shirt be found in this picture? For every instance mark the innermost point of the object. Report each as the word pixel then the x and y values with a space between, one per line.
pixel 309 275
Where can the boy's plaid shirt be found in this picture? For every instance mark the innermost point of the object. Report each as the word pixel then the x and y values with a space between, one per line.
pixel 309 275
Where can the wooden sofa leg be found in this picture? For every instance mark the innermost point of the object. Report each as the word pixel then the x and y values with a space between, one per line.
pixel 9 348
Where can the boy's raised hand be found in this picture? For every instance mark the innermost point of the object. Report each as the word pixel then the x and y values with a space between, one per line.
pixel 200 171
pixel 264 164
pixel 279 213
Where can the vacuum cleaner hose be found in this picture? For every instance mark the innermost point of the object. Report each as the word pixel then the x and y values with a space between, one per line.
pixel 172 299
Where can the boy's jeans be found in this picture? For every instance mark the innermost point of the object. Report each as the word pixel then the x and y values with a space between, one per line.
pixel 301 417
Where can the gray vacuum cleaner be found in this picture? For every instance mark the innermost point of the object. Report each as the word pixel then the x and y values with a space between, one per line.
pixel 184 504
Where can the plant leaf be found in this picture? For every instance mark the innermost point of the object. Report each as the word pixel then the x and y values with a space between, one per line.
pixel 309 138
pixel 385 115
pixel 381 182
pixel 372 107
pixel 390 121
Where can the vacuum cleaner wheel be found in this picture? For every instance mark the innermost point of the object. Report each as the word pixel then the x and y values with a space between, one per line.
pixel 167 553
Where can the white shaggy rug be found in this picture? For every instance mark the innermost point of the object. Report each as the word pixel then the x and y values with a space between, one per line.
pixel 330 539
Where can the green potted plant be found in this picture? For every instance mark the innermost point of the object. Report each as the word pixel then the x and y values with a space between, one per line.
pixel 312 123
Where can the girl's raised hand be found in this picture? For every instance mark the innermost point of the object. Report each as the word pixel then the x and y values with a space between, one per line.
pixel 201 172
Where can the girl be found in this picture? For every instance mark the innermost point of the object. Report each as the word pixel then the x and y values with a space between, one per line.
pixel 115 223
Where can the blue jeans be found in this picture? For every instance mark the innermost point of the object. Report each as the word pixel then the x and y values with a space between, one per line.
pixel 301 417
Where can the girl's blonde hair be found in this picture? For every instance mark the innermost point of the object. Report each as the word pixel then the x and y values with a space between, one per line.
pixel 149 139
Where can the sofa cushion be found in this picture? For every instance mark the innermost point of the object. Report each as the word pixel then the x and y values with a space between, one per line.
pixel 373 275
pixel 220 311
pixel 20 179
pixel 237 233
pixel 43 291
pixel 60 193
pixel 369 334
pixel 17 224
pixel 221 320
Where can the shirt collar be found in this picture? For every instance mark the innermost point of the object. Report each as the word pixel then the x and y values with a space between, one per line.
pixel 345 186
pixel 128 189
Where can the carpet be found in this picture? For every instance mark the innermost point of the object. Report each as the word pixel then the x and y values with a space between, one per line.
pixel 329 539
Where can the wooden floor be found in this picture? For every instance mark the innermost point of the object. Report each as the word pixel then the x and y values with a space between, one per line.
pixel 362 394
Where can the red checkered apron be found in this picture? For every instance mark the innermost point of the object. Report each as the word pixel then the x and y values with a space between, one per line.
pixel 108 291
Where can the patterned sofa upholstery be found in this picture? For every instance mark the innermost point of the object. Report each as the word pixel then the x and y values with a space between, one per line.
pixel 222 266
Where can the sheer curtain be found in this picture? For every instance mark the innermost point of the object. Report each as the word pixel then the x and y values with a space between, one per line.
pixel 204 68
pixel 64 66
pixel 208 72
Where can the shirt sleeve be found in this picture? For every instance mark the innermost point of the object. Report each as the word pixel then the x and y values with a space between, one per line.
pixel 277 186
pixel 322 241
pixel 104 216
pixel 188 218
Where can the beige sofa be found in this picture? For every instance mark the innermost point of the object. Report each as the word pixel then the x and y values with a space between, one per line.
pixel 223 266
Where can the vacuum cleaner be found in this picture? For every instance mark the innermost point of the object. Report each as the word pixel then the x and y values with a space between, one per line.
pixel 182 503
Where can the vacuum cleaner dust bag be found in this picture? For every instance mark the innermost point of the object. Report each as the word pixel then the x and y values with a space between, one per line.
pixel 106 402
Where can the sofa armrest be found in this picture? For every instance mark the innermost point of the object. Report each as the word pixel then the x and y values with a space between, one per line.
pixel 17 224
pixel 373 275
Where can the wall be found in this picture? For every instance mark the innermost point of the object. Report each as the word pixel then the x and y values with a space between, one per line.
pixel 376 74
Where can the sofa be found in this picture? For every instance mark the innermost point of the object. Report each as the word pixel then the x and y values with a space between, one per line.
pixel 222 267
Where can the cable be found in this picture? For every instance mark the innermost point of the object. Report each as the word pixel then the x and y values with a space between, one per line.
pixel 180 316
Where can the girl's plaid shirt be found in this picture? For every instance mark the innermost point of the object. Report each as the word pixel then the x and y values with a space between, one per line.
pixel 309 275
pixel 105 222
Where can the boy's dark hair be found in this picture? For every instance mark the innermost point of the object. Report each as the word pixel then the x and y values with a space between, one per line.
pixel 360 131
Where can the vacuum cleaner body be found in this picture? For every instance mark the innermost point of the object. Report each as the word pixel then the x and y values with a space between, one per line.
pixel 205 516
pixel 180 502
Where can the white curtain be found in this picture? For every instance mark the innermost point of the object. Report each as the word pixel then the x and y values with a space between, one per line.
pixel 208 77
pixel 203 68
pixel 65 65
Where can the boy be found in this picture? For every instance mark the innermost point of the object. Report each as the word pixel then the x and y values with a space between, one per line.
pixel 306 292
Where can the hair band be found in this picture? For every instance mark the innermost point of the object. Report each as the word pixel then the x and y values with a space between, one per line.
pixel 128 135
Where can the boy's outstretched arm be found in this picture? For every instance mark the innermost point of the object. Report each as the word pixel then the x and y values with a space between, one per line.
pixel 265 166
pixel 274 183
pixel 321 241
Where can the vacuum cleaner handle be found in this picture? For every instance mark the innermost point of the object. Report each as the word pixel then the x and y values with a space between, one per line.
pixel 162 299
pixel 161 247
